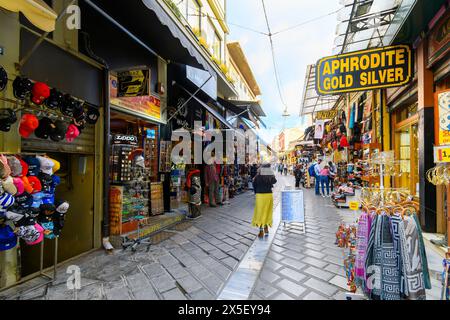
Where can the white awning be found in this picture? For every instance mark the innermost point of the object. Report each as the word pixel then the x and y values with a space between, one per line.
pixel 312 102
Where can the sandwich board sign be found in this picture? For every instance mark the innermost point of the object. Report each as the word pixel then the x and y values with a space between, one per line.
pixel 292 206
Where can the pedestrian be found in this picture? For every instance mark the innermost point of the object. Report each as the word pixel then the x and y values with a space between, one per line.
pixel 303 178
pixel 315 172
pixel 333 173
pixel 212 182
pixel 298 174
pixel 325 181
pixel 285 169
pixel 263 213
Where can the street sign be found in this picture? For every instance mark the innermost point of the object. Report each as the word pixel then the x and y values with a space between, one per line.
pixel 364 70
pixel 292 206
pixel 353 205
pixel 442 154
pixel 326 115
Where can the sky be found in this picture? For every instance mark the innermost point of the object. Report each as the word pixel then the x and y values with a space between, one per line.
pixel 294 50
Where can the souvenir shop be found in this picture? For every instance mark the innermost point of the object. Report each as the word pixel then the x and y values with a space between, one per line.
pixel 53 127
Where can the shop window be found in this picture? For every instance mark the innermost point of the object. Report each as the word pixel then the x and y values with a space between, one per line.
pixel 194 15
pixel 213 40
pixel 407 112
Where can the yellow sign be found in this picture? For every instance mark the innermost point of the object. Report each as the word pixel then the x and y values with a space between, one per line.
pixel 353 205
pixel 442 154
pixel 325 115
pixel 364 70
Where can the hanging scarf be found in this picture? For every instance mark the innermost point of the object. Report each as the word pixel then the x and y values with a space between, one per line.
pixel 373 262
pixel 414 274
pixel 390 279
pixel 361 249
pixel 398 235
pixel 423 255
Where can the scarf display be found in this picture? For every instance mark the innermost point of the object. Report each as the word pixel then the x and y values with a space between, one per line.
pixel 391 261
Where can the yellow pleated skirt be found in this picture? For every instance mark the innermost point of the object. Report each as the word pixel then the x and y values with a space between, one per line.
pixel 263 214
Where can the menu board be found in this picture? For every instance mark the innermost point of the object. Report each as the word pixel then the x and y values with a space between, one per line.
pixel 292 206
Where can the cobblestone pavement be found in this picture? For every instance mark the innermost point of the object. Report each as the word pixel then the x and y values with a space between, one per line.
pixel 194 263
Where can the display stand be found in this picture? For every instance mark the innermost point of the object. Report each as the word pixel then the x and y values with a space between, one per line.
pixel 50 278
pixel 293 209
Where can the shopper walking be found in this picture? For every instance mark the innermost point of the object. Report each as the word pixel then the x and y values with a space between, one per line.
pixel 333 173
pixel 263 213
pixel 315 172
pixel 298 174
pixel 325 180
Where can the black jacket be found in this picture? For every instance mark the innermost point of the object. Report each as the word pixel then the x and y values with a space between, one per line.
pixel 264 183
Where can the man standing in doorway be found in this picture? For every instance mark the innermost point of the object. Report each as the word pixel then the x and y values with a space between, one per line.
pixel 212 182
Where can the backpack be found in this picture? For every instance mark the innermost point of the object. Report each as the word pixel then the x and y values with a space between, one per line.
pixel 311 171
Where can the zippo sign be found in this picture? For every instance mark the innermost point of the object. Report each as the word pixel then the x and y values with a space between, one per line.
pixel 364 70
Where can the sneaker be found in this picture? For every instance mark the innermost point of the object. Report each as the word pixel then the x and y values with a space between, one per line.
pixel 261 234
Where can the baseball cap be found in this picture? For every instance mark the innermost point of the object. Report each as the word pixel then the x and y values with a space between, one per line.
pixel 7 118
pixel 26 184
pixel 5 170
pixel 6 201
pixel 34 166
pixel 72 133
pixel 56 181
pixel 46 165
pixel 18 183
pixel 59 131
pixel 39 93
pixel 48 230
pixel 37 201
pixel 16 167
pixel 24 166
pixel 35 183
pixel 56 164
pixel 46 181
pixel 22 87
pixel 24 200
pixel 28 124
pixel 45 128
pixel 8 239
pixel 8 185
pixel 3 78
pixel 39 229
pixel 62 206
pixel 28 233
pixel 55 99
pixel 92 115
pixel 48 198
pixel 68 105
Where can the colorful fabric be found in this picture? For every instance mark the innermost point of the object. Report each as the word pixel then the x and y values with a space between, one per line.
pixel 372 270
pixel 398 235
pixel 263 213
pixel 361 248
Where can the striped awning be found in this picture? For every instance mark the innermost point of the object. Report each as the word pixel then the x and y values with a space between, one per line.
pixel 36 11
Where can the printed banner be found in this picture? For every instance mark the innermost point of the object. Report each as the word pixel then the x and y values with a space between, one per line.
pixel 320 126
pixel 364 70
pixel 442 99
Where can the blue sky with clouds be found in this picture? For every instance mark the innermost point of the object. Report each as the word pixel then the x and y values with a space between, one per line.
pixel 294 49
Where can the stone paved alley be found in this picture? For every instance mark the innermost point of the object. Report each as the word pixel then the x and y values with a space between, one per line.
pixel 199 257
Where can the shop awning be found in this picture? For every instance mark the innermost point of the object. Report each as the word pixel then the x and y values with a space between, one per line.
pixel 312 102
pixel 211 110
pixel 254 106
pixel 36 11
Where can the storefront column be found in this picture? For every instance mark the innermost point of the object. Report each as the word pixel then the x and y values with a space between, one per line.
pixel 426 139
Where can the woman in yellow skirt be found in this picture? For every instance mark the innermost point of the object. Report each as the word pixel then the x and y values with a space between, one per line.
pixel 262 185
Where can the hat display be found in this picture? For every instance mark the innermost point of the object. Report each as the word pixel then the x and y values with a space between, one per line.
pixel 72 133
pixel 28 124
pixel 8 239
pixel 7 118
pixel 39 93
pixel 45 129
pixel 55 99
pixel 16 167
pixel 92 115
pixel 3 78
pixel 22 87
pixel 26 184
pixel 35 183
pixel 59 131
pixel 34 166
pixel 24 200
pixel 46 165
